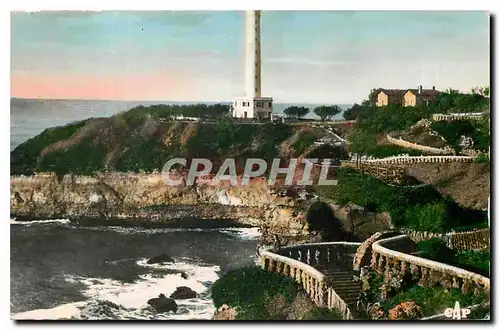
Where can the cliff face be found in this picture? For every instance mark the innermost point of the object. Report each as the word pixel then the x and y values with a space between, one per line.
pixel 467 183
pixel 146 199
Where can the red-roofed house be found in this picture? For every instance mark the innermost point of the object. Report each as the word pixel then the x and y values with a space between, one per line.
pixel 405 97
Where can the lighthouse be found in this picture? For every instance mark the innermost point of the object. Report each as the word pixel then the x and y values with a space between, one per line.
pixel 252 104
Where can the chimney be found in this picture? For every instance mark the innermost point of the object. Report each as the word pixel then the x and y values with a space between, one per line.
pixel 420 89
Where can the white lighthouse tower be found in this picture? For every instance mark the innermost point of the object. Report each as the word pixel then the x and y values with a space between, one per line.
pixel 252 105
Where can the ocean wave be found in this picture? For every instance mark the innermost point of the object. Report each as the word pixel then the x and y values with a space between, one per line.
pixel 34 222
pixel 236 232
pixel 242 233
pixel 110 299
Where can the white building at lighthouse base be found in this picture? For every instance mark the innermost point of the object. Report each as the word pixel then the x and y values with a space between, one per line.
pixel 257 107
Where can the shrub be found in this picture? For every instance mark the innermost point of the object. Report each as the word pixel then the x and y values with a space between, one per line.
pixel 323 314
pixel 407 310
pixel 427 217
pixel 432 300
pixel 304 141
pixel 249 288
pixel 482 158
pixel 453 130
pixel 379 151
pixel 435 249
pixel 475 261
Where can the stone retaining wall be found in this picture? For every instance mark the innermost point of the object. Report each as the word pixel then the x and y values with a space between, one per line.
pixel 415 146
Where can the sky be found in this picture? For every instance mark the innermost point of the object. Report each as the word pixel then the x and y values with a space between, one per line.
pixel 307 56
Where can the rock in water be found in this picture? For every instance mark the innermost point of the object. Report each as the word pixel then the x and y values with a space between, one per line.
pixel 160 259
pixel 163 304
pixel 184 275
pixel 183 292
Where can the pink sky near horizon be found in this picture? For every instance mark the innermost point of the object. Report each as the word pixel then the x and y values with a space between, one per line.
pixel 104 86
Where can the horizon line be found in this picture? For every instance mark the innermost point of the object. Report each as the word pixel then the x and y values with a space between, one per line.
pixel 194 102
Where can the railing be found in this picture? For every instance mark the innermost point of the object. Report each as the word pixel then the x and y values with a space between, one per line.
pixel 429 272
pixel 399 160
pixel 299 261
pixel 457 116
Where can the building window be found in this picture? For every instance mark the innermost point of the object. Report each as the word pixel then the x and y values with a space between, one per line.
pixel 270 104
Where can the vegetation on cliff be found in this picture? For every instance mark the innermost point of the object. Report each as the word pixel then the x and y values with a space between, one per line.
pixel 373 120
pixel 454 130
pixel 476 261
pixel 421 208
pixel 260 295
pixel 144 138
pixel 404 299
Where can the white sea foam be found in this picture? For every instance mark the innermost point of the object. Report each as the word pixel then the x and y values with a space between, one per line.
pixel 61 312
pixel 243 233
pixel 33 222
pixel 111 299
pixel 237 232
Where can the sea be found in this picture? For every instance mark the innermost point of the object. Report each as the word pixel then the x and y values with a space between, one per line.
pixel 63 271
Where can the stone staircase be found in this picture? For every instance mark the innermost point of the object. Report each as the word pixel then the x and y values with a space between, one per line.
pixel 346 287
pixel 344 284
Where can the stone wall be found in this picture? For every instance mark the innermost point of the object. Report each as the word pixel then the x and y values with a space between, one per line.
pixel 392 174
pixel 466 240
pixel 415 146
pixel 469 240
pixel 387 259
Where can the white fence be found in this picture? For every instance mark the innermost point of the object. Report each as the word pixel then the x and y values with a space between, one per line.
pixel 403 160
pixel 457 116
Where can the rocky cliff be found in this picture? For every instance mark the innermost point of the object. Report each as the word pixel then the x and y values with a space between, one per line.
pixel 145 199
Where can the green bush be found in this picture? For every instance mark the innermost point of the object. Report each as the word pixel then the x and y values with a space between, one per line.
pixel 471 260
pixel 322 314
pixel 249 288
pixel 304 141
pixel 482 159
pixel 421 208
pixel 379 151
pixel 475 261
pixel 453 130
pixel 427 217
pixel 432 300
pixel 435 249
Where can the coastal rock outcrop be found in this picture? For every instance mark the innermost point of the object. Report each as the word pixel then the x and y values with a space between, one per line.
pixel 183 292
pixel 146 200
pixel 161 258
pixel 163 304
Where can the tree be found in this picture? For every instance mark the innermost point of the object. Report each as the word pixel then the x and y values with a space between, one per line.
pixel 295 111
pixel 327 111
